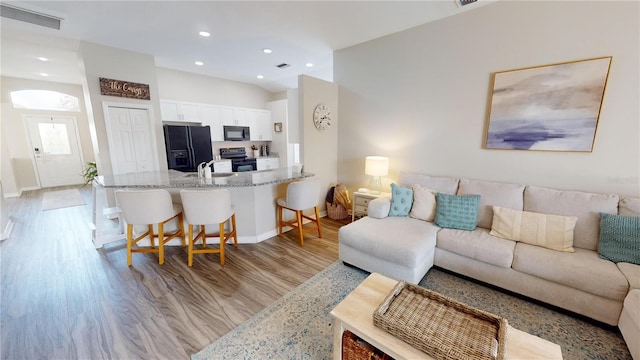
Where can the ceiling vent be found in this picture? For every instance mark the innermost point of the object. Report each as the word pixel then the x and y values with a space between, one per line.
pixel 283 65
pixel 461 3
pixel 29 16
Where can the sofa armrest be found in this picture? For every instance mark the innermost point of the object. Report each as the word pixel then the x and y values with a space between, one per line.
pixel 379 208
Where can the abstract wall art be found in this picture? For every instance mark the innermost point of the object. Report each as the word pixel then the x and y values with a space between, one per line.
pixel 550 108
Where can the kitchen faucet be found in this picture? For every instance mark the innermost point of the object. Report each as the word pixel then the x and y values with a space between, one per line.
pixel 201 167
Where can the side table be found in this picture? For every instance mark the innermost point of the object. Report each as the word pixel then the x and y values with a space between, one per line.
pixel 361 203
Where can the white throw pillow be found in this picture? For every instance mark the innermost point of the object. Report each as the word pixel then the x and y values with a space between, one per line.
pixel 424 203
pixel 553 232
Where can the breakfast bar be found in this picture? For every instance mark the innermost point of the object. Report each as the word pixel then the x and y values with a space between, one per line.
pixel 253 195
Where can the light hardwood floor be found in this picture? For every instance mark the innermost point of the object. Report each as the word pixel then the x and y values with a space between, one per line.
pixel 63 299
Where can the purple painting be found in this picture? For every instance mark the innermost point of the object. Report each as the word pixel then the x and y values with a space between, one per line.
pixel 553 107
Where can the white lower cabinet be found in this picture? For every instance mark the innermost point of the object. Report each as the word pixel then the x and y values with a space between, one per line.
pixel 222 166
pixel 267 163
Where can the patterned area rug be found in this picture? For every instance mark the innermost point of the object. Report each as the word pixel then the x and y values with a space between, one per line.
pixel 61 199
pixel 298 326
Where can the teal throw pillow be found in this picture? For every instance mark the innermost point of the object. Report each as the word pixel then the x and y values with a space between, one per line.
pixel 619 238
pixel 401 200
pixel 457 211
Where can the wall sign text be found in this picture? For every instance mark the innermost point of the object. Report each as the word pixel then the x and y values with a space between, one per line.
pixel 126 89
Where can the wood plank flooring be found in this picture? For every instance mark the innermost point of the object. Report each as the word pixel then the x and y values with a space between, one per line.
pixel 63 299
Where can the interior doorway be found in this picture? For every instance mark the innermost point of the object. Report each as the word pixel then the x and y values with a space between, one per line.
pixel 55 145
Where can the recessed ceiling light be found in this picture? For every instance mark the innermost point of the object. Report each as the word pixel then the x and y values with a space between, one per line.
pixel 260 77
pixel 309 65
pixel 41 58
pixel 204 33
pixel 267 51
pixel 199 63
pixel 44 74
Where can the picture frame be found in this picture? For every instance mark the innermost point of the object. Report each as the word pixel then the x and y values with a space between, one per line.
pixel 553 107
pixel 277 127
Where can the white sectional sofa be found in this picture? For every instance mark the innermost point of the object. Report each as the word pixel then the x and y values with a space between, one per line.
pixel 405 248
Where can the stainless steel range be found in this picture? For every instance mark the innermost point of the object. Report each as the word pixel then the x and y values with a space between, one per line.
pixel 239 160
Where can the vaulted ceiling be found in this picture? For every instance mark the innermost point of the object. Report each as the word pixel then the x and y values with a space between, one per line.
pixel 299 33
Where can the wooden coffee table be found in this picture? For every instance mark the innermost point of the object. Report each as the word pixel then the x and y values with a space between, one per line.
pixel 355 313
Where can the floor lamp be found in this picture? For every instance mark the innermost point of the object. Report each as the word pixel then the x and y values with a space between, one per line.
pixel 376 166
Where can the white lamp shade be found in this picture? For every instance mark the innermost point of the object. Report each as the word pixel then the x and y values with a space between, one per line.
pixel 376 165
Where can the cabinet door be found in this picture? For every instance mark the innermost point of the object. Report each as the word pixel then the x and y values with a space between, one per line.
pixel 212 116
pixel 170 110
pixel 260 122
pixel 190 112
pixel 234 116
pixel 179 111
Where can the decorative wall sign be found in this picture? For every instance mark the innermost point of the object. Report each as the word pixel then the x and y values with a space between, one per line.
pixel 551 107
pixel 126 89
pixel 277 127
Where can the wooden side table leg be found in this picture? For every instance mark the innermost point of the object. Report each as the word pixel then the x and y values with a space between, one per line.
pixel 337 339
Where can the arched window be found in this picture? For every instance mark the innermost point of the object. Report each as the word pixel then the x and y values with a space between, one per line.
pixel 44 100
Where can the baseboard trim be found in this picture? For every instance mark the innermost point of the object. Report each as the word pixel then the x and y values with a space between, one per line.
pixel 7 230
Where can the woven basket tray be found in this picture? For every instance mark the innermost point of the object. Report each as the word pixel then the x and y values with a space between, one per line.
pixel 440 326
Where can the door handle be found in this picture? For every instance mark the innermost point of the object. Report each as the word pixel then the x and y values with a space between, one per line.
pixel 36 151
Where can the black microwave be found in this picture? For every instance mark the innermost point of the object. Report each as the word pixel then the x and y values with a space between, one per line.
pixel 236 133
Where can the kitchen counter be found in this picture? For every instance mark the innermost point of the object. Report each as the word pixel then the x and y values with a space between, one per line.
pixel 177 179
pixel 253 195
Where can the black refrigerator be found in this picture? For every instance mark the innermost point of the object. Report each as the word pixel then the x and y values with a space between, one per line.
pixel 187 146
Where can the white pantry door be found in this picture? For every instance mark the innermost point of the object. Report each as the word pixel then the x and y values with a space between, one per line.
pixel 56 150
pixel 131 140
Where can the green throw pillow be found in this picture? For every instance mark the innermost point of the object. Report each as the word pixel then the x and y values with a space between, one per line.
pixel 401 200
pixel 619 238
pixel 457 211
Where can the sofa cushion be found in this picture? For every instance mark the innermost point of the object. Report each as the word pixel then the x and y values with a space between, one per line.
pixel 632 273
pixel 585 206
pixel 443 184
pixel 629 207
pixel 401 200
pixel 619 238
pixel 401 240
pixel 492 193
pixel 457 211
pixel 553 232
pixel 582 270
pixel 424 203
pixel 379 207
pixel 478 245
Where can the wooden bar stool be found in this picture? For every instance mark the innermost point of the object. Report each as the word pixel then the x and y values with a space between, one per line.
pixel 301 195
pixel 206 207
pixel 150 208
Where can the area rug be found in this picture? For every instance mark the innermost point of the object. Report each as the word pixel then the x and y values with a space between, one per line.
pixel 61 199
pixel 298 326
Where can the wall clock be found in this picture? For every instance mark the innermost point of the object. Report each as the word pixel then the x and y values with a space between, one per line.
pixel 322 117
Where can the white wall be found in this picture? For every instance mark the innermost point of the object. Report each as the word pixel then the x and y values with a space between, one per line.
pixel 319 148
pixel 421 96
pixel 17 167
pixel 183 86
pixel 102 61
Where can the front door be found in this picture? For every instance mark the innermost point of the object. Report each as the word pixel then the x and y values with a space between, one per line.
pixel 56 150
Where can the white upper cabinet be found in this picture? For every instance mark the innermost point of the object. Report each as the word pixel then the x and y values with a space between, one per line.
pixel 212 115
pixel 217 116
pixel 179 111
pixel 261 125
pixel 232 116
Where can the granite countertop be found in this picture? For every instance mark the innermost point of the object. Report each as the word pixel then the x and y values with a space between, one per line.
pixel 177 179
